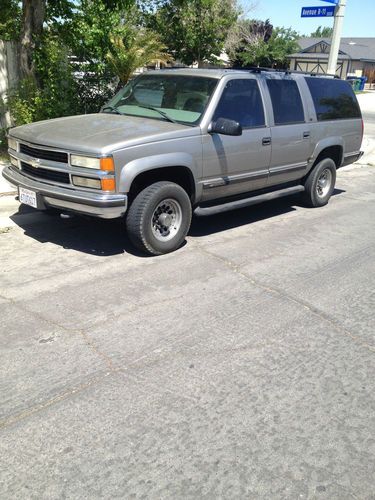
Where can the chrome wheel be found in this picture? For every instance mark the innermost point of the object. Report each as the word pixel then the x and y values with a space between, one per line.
pixel 324 183
pixel 166 220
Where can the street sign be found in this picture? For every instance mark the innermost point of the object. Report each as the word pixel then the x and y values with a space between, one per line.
pixel 331 1
pixel 318 11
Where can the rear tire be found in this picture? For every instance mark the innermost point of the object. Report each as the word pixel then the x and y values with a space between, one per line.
pixel 320 183
pixel 159 218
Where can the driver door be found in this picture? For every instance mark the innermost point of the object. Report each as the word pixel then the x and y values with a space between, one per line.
pixel 237 164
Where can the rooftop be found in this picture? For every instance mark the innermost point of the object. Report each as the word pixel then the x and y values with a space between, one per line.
pixel 358 48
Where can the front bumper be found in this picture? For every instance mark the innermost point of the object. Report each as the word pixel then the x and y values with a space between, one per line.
pixel 103 205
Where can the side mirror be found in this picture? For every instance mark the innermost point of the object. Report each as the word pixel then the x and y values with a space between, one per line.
pixel 225 126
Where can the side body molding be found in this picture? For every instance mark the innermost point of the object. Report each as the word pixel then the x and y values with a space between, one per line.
pixel 135 167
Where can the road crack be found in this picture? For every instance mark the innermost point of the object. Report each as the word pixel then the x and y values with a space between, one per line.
pixel 6 422
pixel 86 338
pixel 283 294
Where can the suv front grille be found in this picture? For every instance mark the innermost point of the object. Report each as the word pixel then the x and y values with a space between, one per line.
pixel 43 173
pixel 44 154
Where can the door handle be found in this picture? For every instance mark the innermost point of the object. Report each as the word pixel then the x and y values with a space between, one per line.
pixel 306 135
pixel 266 141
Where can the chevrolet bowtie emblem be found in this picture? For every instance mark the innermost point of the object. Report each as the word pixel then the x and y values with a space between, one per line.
pixel 35 163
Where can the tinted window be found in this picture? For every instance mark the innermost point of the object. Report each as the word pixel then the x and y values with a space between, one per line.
pixel 241 101
pixel 286 101
pixel 333 99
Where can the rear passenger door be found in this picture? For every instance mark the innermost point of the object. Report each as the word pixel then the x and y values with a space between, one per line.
pixel 237 164
pixel 290 131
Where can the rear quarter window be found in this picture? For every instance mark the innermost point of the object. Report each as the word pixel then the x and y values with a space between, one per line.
pixel 333 99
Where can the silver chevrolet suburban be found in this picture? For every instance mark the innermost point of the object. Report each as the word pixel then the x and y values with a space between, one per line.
pixel 173 140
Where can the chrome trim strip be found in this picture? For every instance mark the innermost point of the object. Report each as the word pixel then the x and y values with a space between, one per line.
pixel 233 179
pixel 288 168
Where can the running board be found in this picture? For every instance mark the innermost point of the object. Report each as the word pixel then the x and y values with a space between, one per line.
pixel 247 202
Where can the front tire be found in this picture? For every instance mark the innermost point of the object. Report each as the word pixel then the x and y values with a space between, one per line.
pixel 320 183
pixel 159 218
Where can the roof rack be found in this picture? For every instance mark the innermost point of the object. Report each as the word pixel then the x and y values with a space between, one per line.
pixel 260 69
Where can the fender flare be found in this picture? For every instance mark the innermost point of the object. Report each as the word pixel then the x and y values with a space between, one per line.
pixel 135 167
pixel 323 144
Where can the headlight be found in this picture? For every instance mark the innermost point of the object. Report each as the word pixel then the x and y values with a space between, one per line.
pixel 12 143
pixel 105 163
pixel 85 161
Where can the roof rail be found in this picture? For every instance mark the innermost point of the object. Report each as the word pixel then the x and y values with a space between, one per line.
pixel 292 71
pixel 260 69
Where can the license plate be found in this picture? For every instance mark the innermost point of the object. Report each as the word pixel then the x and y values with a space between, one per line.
pixel 27 197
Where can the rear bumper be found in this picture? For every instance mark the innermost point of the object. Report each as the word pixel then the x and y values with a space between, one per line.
pixel 352 157
pixel 103 205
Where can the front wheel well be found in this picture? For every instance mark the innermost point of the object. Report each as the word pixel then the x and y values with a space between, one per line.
pixel 179 175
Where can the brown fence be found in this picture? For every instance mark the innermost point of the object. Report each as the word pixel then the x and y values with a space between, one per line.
pixel 370 73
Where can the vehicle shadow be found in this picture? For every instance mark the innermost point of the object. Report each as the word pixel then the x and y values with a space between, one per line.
pixel 108 237
pixel 249 213
pixel 83 234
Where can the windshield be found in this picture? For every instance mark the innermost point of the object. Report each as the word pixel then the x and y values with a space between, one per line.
pixel 175 98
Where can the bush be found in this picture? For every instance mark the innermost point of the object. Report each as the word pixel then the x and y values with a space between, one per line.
pixel 54 93
pixel 3 141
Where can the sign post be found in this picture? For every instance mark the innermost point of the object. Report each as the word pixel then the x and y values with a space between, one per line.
pixel 336 37
pixel 337 12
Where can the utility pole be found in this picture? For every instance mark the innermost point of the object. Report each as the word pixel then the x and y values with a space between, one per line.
pixel 336 36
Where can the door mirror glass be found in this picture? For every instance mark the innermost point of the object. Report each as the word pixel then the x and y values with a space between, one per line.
pixel 225 126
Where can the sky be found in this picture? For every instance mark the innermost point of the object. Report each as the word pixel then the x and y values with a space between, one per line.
pixel 359 15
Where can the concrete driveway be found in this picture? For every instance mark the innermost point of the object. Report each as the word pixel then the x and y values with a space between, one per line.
pixel 241 366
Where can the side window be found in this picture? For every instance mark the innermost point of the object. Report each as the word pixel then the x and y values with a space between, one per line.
pixel 286 101
pixel 333 99
pixel 241 101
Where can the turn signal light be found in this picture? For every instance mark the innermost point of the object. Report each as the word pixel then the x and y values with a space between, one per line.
pixel 107 164
pixel 108 184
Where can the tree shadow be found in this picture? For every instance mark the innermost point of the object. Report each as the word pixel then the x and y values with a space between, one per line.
pixel 108 237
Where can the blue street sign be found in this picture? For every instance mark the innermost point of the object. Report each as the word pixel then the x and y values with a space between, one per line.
pixel 331 1
pixel 318 11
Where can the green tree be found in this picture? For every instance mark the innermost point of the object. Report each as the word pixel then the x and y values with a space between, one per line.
pixel 194 30
pixel 134 48
pixel 260 48
pixel 321 32
pixel 10 20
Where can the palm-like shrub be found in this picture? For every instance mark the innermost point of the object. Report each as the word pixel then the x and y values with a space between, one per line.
pixel 135 47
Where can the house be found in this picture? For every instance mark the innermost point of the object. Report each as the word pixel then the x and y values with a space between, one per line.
pixel 356 56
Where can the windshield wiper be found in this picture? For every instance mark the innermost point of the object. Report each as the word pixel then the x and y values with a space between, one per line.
pixel 112 108
pixel 162 113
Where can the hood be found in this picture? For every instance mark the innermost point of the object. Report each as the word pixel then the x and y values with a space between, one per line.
pixel 100 132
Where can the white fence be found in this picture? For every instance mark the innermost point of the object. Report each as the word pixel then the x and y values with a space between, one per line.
pixel 9 76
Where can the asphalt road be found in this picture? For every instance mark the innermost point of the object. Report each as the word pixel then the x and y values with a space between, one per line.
pixel 241 366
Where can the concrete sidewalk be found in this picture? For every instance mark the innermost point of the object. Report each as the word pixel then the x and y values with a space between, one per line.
pixel 5 187
pixel 367 104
